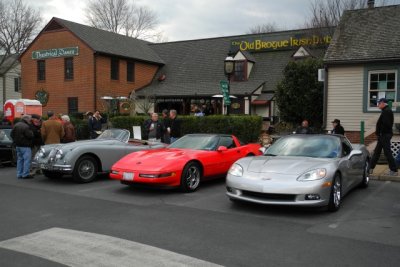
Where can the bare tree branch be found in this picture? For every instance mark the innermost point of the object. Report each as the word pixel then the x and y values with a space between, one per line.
pixel 268 27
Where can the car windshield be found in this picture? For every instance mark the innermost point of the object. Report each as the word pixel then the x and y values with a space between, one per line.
pixel 199 142
pixel 316 146
pixel 119 134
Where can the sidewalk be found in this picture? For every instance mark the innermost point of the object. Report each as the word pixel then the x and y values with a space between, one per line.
pixel 379 174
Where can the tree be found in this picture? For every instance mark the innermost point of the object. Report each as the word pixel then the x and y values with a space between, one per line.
pixel 299 95
pixel 19 23
pixel 268 27
pixel 122 17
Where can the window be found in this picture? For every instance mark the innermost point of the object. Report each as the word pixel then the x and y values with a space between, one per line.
pixel 130 71
pixel 41 70
pixel 17 84
pixel 72 105
pixel 114 69
pixel 68 68
pixel 240 71
pixel 381 83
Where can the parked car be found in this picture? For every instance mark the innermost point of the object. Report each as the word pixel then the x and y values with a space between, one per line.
pixel 184 163
pixel 308 170
pixel 7 148
pixel 86 158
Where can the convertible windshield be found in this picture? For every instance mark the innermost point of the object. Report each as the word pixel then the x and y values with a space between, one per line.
pixel 199 142
pixel 119 134
pixel 316 146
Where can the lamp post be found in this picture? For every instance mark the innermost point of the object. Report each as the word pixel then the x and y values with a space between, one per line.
pixel 229 68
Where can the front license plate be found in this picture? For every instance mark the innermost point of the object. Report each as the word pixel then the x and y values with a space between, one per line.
pixel 128 176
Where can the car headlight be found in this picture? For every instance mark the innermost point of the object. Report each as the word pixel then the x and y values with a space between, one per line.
pixel 312 175
pixel 59 154
pixel 41 153
pixel 236 170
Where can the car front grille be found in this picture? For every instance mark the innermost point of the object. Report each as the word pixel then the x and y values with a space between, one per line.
pixel 267 196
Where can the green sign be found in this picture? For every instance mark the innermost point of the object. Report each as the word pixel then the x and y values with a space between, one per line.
pixel 225 92
pixel 56 52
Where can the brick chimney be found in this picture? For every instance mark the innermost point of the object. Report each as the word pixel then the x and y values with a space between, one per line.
pixel 371 3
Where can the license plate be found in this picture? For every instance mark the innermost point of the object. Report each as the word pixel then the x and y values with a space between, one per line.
pixel 128 176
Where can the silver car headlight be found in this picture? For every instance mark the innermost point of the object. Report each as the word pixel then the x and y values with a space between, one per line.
pixel 313 175
pixel 41 153
pixel 236 170
pixel 59 154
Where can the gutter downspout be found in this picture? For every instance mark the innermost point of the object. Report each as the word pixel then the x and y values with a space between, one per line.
pixel 95 82
pixel 325 98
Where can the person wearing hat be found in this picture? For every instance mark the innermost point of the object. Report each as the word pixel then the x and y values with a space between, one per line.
pixel 337 128
pixel 37 141
pixel 52 130
pixel 384 132
pixel 22 136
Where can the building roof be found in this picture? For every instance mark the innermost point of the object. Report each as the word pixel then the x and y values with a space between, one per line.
pixel 370 34
pixel 110 43
pixel 196 67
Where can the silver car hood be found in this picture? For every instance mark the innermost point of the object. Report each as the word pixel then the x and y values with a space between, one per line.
pixel 285 164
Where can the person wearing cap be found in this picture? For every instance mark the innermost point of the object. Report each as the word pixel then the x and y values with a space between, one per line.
pixel 384 132
pixel 52 130
pixel 22 136
pixel 337 128
pixel 36 124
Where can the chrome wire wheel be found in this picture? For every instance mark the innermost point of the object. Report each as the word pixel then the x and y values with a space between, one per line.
pixel 191 176
pixel 85 169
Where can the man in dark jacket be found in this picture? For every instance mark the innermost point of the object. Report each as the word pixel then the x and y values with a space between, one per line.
pixel 384 132
pixel 153 128
pixel 95 124
pixel 22 136
pixel 37 140
pixel 174 127
pixel 337 127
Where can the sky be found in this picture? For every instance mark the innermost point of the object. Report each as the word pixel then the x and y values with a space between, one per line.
pixel 198 19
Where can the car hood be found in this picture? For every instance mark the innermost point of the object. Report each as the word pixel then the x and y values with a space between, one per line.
pixel 284 165
pixel 153 160
pixel 80 143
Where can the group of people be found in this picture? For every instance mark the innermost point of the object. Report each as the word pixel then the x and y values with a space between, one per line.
pixel 166 130
pixel 31 132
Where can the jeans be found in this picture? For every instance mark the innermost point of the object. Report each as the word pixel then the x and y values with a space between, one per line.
pixel 24 157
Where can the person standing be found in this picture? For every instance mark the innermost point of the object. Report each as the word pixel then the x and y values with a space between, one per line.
pixel 37 138
pixel 174 127
pixel 69 130
pixel 52 130
pixel 337 127
pixel 154 129
pixel 96 124
pixel 165 121
pixel 304 128
pixel 22 136
pixel 384 132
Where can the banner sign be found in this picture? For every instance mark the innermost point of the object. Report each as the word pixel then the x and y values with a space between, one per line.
pixel 225 92
pixel 56 52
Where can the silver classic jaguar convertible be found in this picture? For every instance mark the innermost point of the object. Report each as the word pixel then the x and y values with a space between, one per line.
pixel 301 169
pixel 85 159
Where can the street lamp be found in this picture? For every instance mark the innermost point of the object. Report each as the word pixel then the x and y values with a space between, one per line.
pixel 229 68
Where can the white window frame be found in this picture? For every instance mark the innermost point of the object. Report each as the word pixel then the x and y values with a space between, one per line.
pixel 381 93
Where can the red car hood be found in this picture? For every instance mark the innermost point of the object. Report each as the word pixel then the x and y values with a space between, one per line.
pixel 155 160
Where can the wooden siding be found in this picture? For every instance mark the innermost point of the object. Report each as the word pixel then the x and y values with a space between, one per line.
pixel 9 84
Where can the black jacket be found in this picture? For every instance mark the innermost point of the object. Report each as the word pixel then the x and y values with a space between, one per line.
pixel 338 130
pixel 384 125
pixel 22 134
pixel 159 127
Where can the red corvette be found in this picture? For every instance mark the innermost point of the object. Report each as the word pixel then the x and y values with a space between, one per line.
pixel 184 163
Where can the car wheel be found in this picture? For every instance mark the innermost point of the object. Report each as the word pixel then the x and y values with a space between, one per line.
pixel 365 179
pixel 190 178
pixel 85 169
pixel 335 197
pixel 52 175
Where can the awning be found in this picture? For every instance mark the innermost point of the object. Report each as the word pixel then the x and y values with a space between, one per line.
pixel 263 99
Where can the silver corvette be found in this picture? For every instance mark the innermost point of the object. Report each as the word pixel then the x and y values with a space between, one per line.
pixel 306 170
pixel 85 159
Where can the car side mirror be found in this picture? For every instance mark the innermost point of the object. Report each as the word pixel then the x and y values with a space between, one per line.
pixel 354 153
pixel 222 148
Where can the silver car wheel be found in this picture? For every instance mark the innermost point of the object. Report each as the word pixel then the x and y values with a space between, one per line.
pixel 365 179
pixel 190 177
pixel 335 197
pixel 85 169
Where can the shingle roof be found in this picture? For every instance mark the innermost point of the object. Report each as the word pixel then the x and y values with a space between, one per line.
pixel 111 43
pixel 196 67
pixel 370 34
